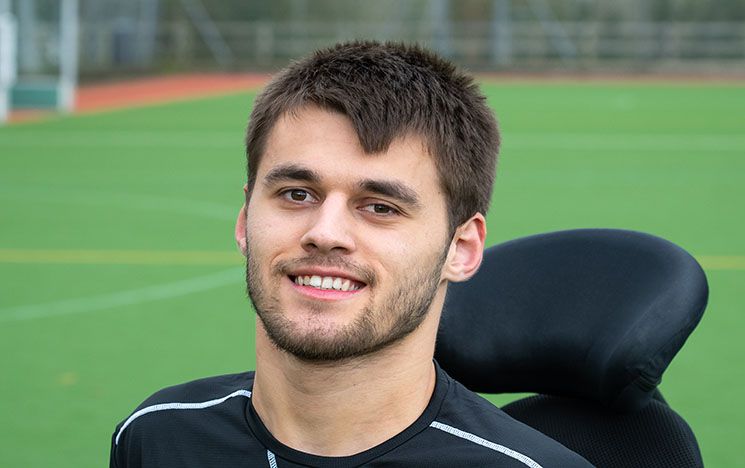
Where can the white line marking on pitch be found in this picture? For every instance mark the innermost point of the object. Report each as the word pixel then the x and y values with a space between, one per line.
pixel 122 298
pixel 628 142
pixel 129 201
pixel 119 257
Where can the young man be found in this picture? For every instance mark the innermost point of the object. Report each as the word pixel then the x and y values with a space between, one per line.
pixel 370 168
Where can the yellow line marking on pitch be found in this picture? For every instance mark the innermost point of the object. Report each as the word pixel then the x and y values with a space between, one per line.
pixel 722 262
pixel 120 257
pixel 204 257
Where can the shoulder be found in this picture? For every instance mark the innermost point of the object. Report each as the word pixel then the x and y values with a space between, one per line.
pixel 201 390
pixel 197 394
pixel 222 399
pixel 469 420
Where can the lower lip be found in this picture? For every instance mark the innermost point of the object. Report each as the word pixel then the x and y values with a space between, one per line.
pixel 323 294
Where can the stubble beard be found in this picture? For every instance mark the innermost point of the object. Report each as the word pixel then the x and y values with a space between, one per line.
pixel 378 325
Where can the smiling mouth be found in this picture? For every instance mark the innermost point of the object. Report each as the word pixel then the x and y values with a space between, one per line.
pixel 333 283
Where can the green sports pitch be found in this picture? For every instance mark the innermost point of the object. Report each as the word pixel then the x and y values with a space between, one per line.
pixel 119 275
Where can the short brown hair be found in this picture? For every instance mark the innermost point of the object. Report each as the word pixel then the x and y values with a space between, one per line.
pixel 388 91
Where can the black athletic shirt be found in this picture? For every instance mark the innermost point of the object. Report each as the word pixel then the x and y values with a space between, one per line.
pixel 212 423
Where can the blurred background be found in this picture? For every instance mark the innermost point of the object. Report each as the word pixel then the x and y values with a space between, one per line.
pixel 155 36
pixel 122 165
pixel 94 40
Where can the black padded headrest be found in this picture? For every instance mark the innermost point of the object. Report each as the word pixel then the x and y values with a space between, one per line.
pixel 588 313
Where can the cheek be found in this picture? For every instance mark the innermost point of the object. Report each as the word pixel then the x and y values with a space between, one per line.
pixel 408 252
pixel 261 223
pixel 258 233
pixel 271 234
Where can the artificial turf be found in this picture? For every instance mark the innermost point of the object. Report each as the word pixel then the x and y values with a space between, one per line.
pixel 118 273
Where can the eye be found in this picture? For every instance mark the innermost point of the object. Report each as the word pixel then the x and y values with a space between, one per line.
pixel 380 209
pixel 297 195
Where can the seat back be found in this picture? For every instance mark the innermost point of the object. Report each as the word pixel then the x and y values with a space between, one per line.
pixel 590 318
pixel 589 313
pixel 653 437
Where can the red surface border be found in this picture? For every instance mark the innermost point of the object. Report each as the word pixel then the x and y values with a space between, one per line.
pixel 157 90
pixel 148 91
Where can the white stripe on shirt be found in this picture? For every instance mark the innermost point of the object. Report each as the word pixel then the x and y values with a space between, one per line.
pixel 272 459
pixel 485 443
pixel 177 406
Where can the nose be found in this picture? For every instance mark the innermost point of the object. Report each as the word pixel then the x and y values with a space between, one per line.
pixel 330 228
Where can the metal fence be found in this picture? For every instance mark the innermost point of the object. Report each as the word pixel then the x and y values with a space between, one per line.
pixel 514 46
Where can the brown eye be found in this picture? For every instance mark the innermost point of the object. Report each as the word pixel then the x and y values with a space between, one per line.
pixel 382 209
pixel 298 195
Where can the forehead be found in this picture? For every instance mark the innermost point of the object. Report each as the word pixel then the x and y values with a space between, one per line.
pixel 326 142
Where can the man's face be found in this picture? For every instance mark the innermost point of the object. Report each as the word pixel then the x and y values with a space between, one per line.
pixel 345 249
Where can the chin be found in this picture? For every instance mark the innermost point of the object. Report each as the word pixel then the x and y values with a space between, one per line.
pixel 324 341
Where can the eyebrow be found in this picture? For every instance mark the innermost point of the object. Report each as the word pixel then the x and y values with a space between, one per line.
pixel 392 189
pixel 287 172
pixel 388 188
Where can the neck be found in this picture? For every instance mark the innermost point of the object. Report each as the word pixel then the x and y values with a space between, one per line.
pixel 343 408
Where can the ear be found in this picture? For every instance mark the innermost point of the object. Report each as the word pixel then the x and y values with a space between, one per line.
pixel 466 250
pixel 240 226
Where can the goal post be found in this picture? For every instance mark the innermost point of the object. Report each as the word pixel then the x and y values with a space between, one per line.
pixel 41 56
pixel 8 58
pixel 68 55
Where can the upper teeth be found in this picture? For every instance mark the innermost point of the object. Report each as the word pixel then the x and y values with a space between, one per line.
pixel 327 282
